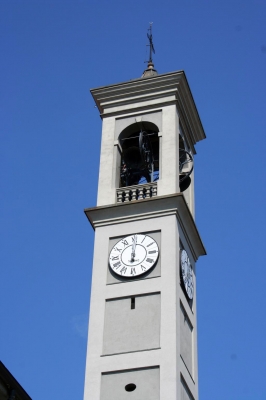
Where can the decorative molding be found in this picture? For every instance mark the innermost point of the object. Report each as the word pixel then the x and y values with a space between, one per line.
pixel 151 208
pixel 147 94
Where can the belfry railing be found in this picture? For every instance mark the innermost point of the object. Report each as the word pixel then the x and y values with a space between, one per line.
pixel 136 192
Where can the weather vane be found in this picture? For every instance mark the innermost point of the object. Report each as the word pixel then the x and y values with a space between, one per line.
pixel 149 35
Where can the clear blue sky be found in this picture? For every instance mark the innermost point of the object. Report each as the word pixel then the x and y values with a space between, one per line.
pixel 52 53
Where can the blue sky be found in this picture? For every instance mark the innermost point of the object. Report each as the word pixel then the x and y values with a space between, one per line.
pixel 53 52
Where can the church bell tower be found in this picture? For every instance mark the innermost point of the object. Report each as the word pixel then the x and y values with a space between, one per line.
pixel 142 342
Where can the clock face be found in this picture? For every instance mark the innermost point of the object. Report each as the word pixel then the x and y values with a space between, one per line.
pixel 134 255
pixel 187 276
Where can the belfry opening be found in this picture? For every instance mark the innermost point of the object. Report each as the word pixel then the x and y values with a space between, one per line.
pixel 140 154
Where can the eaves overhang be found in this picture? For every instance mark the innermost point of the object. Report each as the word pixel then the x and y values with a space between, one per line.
pixel 152 93
pixel 151 208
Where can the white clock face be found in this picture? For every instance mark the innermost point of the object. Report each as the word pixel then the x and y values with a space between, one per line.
pixel 187 276
pixel 133 255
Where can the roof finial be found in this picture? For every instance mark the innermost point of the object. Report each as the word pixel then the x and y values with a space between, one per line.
pixel 149 35
pixel 150 71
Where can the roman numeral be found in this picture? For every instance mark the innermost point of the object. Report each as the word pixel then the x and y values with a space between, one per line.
pixel 133 271
pixel 143 239
pixel 125 243
pixel 149 260
pixel 117 249
pixel 152 251
pixel 149 244
pixel 143 268
pixel 117 265
pixel 115 258
pixel 123 270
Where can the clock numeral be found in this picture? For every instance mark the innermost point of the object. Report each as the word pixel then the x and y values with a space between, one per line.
pixel 143 239
pixel 115 258
pixel 150 260
pixel 124 241
pixel 117 249
pixel 152 251
pixel 117 265
pixel 123 270
pixel 149 244
pixel 133 271
pixel 143 268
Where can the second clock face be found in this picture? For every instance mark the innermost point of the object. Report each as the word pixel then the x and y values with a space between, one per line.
pixel 187 276
pixel 134 255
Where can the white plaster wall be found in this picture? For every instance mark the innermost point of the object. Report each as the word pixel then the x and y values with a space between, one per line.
pixel 191 311
pixel 104 371
pixel 186 345
pixel 108 163
pixel 168 355
pixel 127 329
pixel 147 383
pixel 169 152
pixel 167 121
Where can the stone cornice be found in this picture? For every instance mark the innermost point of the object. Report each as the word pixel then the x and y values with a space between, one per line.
pixel 152 208
pixel 146 94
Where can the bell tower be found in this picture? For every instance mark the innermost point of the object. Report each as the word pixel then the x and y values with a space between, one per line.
pixel 142 342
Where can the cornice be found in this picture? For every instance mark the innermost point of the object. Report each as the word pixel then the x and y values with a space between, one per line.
pixel 159 91
pixel 151 208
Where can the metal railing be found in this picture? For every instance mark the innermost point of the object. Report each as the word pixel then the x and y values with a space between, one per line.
pixel 136 192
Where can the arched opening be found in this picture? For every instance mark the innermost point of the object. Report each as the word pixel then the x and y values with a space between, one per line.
pixel 140 154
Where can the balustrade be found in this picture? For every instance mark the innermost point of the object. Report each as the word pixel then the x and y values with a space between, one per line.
pixel 136 192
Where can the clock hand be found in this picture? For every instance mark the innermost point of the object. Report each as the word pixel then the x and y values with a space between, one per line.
pixel 133 249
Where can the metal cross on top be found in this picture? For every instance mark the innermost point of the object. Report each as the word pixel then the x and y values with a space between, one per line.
pixel 149 35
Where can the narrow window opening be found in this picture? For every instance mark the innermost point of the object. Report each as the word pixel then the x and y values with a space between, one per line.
pixel 132 303
pixel 130 387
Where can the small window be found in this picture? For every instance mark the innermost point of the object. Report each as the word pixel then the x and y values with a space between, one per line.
pixel 133 303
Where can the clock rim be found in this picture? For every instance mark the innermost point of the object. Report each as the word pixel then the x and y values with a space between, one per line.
pixel 142 273
pixel 186 292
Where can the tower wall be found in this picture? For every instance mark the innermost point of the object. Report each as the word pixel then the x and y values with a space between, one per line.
pixel 142 341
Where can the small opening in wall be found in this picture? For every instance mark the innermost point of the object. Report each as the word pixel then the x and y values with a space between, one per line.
pixel 132 303
pixel 130 387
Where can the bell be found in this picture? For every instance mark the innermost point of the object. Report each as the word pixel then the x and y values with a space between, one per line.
pixel 184 182
pixel 132 157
